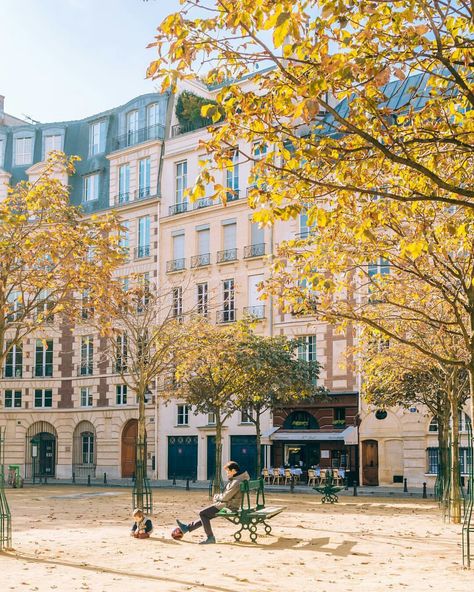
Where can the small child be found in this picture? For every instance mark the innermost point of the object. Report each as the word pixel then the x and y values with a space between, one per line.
pixel 142 526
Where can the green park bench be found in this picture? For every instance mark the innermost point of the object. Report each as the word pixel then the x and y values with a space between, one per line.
pixel 329 491
pixel 249 515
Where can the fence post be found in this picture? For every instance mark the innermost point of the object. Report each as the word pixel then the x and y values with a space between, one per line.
pixel 174 479
pixel 187 484
pixel 292 484
pixel 355 489
pixel 424 491
pixel 405 486
pixel 46 479
pixel 105 478
pixel 74 477
pixel 88 480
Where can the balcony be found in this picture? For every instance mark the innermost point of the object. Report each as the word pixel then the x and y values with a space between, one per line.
pixel 178 208
pixel 227 255
pixel 86 369
pixel 175 265
pixel 130 197
pixel 201 260
pixel 255 312
pixel 254 251
pixel 204 202
pixel 233 195
pixel 226 316
pixel 142 251
pixel 178 129
pixel 132 137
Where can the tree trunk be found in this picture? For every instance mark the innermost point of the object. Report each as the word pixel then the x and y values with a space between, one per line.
pixel 140 469
pixel 258 438
pixel 454 486
pixel 216 485
pixel 443 444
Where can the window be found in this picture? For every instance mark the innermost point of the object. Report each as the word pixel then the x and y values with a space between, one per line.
pixel 143 237
pixel 229 300
pixel 305 228
pixel 181 181
pixel 12 398
pixel 14 306
pixel 307 348
pixel 433 460
pixel 247 415
pixel 14 361
pixel 464 460
pixel 177 310
pixel 378 269
pixel 87 440
pixel 152 114
pixel 203 299
pixel 87 355
pixel 211 418
pixel 86 307
pixel 339 417
pixel 44 358
pixel 91 187
pixel 132 127
pixel 178 246
pixel 203 240
pixel 2 151
pixel 23 151
pixel 230 236
pixel 86 396
pixel 233 176
pixel 51 143
pixel 43 398
pixel 124 183
pixel 433 427
pixel 300 420
pixel 144 284
pixel 124 241
pixel 44 307
pixel 97 138
pixel 182 417
pixel 257 234
pixel 464 420
pixel 121 394
pixel 144 178
pixel 121 353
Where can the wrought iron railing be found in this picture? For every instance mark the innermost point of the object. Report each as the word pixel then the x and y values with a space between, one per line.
pixel 144 134
pixel 191 126
pixel 226 255
pixel 257 250
pixel 178 208
pixel 255 312
pixel 175 265
pixel 201 260
pixel 203 202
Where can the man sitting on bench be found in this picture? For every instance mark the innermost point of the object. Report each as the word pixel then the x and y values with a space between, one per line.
pixel 230 498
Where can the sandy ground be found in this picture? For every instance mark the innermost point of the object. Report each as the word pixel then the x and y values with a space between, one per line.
pixel 78 539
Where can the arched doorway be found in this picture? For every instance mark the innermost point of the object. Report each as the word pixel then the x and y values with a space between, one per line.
pixel 41 450
pixel 84 450
pixel 129 448
pixel 370 462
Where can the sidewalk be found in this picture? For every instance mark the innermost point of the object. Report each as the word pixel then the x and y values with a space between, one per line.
pixel 363 491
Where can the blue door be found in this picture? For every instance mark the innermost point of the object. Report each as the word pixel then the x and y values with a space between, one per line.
pixel 211 457
pixel 182 457
pixel 243 450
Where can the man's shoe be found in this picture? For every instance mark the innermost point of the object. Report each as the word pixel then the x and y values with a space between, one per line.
pixel 182 526
pixel 209 541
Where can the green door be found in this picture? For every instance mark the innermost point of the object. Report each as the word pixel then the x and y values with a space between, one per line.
pixel 44 464
pixel 182 457
pixel 243 450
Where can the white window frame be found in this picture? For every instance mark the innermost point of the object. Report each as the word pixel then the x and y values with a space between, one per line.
pixel 96 138
pixel 25 155
pixel 177 310
pixel 121 394
pixel 211 418
pixel 144 177
pixel 91 187
pixel 43 398
pixel 15 396
pixel 202 292
pixel 86 396
pixel 87 355
pixel 307 348
pixel 182 415
pixel 181 181
pixel 56 144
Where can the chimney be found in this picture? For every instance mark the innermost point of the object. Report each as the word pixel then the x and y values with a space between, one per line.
pixel 2 112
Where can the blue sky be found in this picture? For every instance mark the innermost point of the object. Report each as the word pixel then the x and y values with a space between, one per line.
pixel 67 59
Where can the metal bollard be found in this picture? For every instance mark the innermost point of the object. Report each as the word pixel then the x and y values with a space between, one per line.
pixel 105 478
pixel 88 480
pixel 174 479
pixel 405 486
pixel 292 484
pixel 424 491
pixel 187 484
pixel 74 477
pixel 46 479
pixel 210 489
pixel 355 489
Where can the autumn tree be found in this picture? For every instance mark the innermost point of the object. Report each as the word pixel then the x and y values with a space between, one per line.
pixel 140 343
pixel 50 256
pixel 275 377
pixel 395 376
